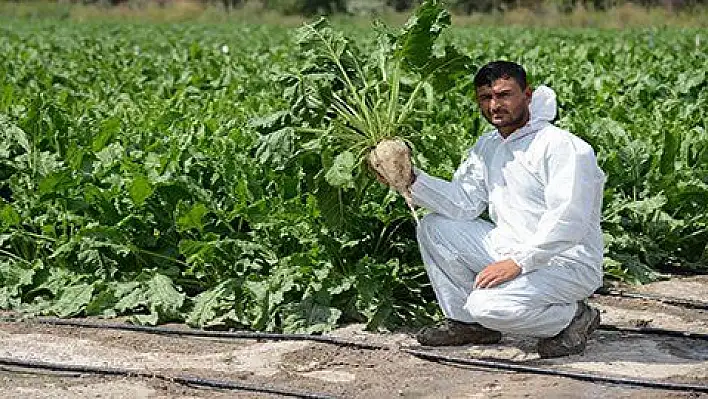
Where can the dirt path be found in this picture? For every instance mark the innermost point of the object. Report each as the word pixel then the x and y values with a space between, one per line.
pixel 357 373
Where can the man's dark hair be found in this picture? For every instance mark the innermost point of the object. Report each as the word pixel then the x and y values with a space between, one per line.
pixel 500 70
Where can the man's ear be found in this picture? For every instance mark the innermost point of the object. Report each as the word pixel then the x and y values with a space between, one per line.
pixel 528 92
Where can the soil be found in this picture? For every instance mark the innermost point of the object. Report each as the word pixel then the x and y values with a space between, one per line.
pixel 358 373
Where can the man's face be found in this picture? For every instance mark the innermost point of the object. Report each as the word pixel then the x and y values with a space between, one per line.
pixel 504 104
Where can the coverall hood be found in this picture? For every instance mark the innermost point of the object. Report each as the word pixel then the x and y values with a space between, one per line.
pixel 543 105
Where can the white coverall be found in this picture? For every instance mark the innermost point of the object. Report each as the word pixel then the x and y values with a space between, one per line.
pixel 543 189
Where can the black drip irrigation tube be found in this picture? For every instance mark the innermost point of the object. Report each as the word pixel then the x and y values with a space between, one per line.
pixel 655 331
pixel 185 380
pixel 306 337
pixel 686 303
pixel 423 354
pixel 596 378
pixel 204 333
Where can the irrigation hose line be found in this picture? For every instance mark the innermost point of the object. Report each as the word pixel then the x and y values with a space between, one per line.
pixel 307 337
pixel 655 331
pixel 485 363
pixel 185 380
pixel 669 300
pixel 595 378
pixel 202 333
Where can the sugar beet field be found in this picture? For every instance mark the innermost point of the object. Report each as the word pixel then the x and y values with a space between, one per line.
pixel 149 170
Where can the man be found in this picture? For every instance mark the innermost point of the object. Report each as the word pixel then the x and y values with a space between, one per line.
pixel 530 270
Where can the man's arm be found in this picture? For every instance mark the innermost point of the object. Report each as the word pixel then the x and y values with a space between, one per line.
pixel 465 197
pixel 573 191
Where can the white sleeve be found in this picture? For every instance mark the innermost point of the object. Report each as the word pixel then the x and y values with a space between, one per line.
pixel 574 187
pixel 465 197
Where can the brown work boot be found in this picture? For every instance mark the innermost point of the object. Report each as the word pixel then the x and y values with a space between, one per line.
pixel 454 332
pixel 572 340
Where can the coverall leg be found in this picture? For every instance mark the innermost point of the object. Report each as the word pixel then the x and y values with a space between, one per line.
pixel 540 303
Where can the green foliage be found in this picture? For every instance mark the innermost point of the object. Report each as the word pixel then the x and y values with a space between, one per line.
pixel 146 170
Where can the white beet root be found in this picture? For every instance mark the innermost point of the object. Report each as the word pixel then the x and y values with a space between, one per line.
pixel 392 160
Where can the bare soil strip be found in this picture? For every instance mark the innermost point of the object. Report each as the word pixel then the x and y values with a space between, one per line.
pixel 358 373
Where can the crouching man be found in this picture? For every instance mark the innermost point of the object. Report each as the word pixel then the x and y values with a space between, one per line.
pixel 531 269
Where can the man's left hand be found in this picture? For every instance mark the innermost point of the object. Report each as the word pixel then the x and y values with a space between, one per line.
pixel 497 273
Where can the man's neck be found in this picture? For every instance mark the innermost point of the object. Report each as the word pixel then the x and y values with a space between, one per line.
pixel 507 131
